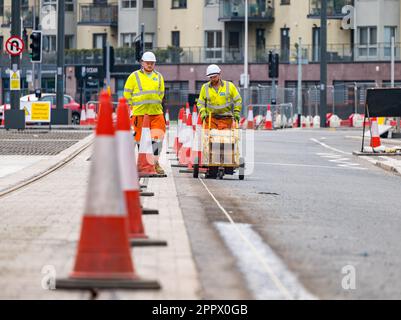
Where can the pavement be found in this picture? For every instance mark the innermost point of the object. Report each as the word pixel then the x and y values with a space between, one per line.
pixel 41 224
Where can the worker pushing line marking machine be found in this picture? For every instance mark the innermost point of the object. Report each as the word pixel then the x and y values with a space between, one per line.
pixel 221 152
pixel 220 106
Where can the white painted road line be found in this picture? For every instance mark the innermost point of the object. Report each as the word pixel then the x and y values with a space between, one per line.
pixel 300 165
pixel 285 293
pixel 255 276
pixel 331 148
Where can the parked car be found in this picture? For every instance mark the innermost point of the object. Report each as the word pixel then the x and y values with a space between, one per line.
pixel 69 103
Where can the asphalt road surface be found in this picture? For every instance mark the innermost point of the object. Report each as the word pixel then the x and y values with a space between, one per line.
pixel 331 219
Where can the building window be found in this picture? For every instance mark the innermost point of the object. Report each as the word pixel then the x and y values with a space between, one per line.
pixel 367 41
pixel 148 4
pixel 128 4
pixel 179 4
pixel 149 40
pixel 214 44
pixel 99 40
pixel 176 92
pixel 389 32
pixel 285 2
pixel 49 43
pixel 69 5
pixel 211 2
pixel 127 39
pixel 175 38
pixel 69 42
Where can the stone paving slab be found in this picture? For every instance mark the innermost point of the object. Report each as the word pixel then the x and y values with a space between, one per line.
pixel 41 225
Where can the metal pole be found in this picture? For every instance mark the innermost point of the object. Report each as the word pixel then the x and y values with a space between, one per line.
pixel 15 60
pixel 323 64
pixel 108 65
pixel 34 28
pixel 398 126
pixel 246 54
pixel 299 79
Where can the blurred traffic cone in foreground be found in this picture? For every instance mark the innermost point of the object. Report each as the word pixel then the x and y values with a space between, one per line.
pixel 146 160
pixel 104 258
pixel 177 145
pixel 250 124
pixel 269 120
pixel 129 178
pixel 194 116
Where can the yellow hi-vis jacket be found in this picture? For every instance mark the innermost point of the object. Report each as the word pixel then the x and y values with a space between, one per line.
pixel 219 102
pixel 144 93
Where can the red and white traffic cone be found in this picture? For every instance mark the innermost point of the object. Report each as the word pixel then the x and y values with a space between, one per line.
pixel 194 116
pixel 185 152
pixel 179 126
pixel 375 141
pixel 269 119
pixel 104 258
pixel 129 178
pixel 187 110
pixel 250 120
pixel 146 159
pixel 91 115
pixel 82 120
pixel 196 154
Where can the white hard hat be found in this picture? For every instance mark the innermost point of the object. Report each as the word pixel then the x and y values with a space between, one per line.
pixel 149 57
pixel 212 70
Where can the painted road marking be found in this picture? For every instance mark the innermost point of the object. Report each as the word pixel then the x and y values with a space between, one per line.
pixel 264 264
pixel 302 165
pixel 331 148
pixel 248 264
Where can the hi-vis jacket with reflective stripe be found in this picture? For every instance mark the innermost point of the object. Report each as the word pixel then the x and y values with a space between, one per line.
pixel 145 93
pixel 220 102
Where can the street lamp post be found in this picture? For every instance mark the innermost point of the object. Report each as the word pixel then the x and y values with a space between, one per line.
pixel 246 56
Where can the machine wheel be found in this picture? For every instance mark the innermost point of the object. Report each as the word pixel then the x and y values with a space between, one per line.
pixel 241 169
pixel 196 169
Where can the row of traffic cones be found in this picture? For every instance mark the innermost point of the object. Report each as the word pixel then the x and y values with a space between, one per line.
pixel 251 123
pixel 112 219
pixel 88 117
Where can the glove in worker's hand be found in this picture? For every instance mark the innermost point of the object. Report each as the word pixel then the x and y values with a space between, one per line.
pixel 237 117
pixel 204 116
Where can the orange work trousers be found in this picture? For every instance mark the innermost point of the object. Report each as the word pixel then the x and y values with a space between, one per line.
pixel 157 126
pixel 220 123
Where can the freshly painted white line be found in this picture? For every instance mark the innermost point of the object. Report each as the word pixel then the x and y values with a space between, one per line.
pixel 279 285
pixel 262 288
pixel 331 148
pixel 298 165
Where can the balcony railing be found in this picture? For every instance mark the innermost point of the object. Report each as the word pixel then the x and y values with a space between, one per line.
pixel 234 10
pixel 334 8
pixel 98 14
pixel 26 15
pixel 336 53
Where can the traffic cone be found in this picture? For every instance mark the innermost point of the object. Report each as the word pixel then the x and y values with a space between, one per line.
pixel 91 115
pixel 250 124
pixel 194 116
pixel 129 178
pixel 82 120
pixel 185 152
pixel 187 110
pixel 179 130
pixel 268 120
pixel 146 160
pixel 103 259
pixel 197 144
pixel 167 116
pixel 375 137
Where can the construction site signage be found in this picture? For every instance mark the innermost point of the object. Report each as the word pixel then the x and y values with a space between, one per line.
pixel 38 111
pixel 15 80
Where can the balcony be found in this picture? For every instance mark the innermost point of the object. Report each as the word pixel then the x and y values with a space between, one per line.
pixel 234 10
pixel 98 15
pixel 26 15
pixel 334 8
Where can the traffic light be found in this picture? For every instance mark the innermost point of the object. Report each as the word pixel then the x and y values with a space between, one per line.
pixel 274 62
pixel 36 46
pixel 111 57
pixel 138 49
